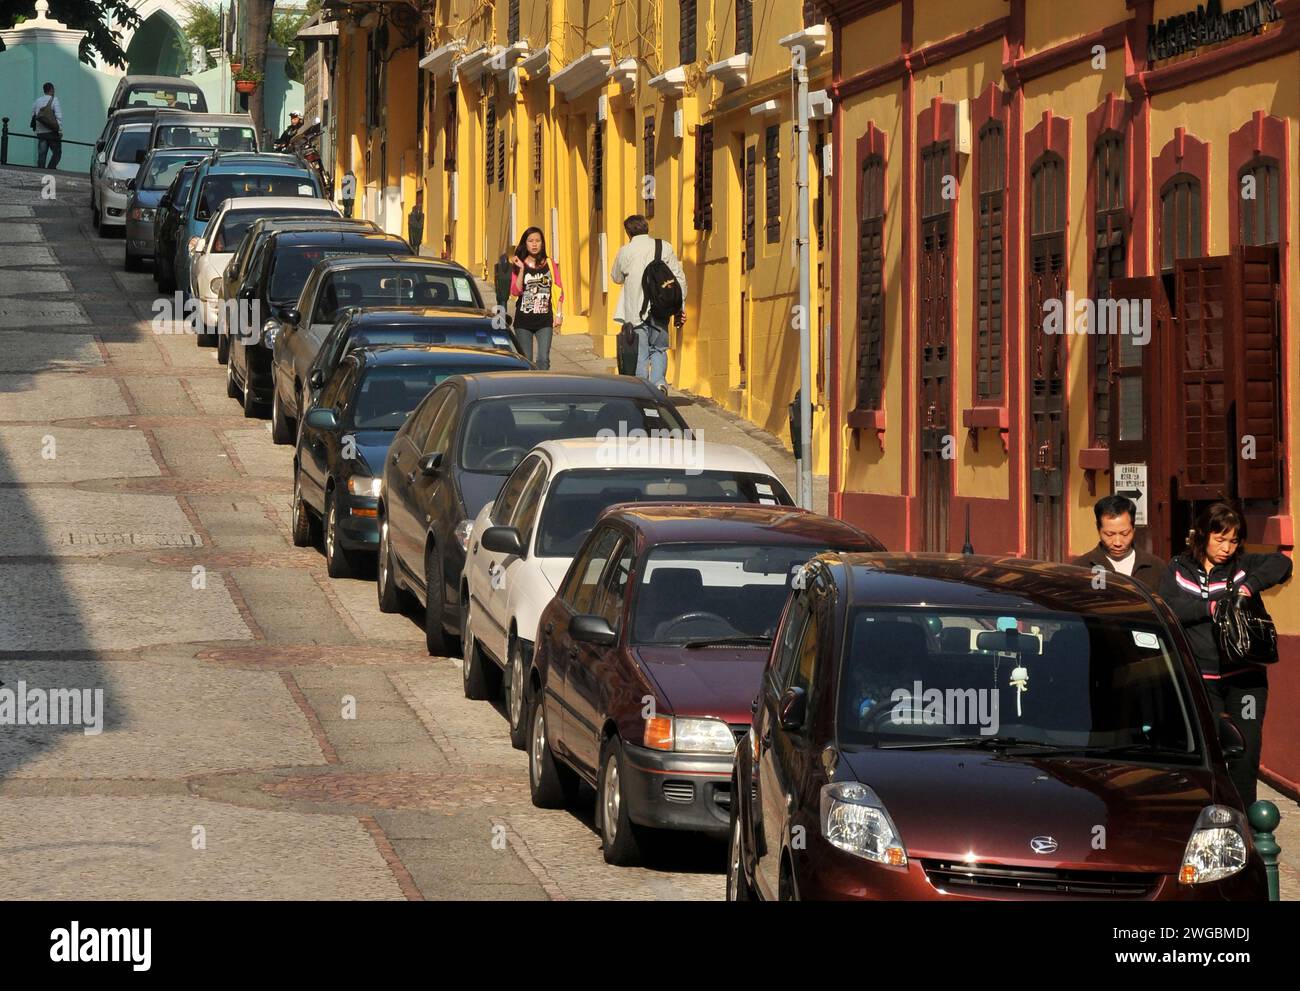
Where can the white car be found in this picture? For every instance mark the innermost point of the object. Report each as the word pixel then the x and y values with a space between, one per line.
pixel 522 544
pixel 214 250
pixel 113 170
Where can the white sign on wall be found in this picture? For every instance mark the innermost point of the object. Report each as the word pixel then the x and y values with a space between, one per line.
pixel 1131 481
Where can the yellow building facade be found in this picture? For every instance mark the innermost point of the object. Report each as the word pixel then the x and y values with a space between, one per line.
pixel 571 115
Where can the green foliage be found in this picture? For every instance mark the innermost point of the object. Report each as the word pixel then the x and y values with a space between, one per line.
pixel 102 20
pixel 202 25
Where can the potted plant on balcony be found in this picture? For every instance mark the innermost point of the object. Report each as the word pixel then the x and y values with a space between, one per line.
pixel 247 78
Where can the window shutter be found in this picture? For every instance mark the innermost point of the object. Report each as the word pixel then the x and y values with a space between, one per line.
pixel 512 24
pixel 648 187
pixel 704 178
pixel 812 13
pixel 751 204
pixel 819 206
pixel 1258 217
pixel 687 32
pixel 598 165
pixel 451 140
pixel 490 131
pixel 1257 375
pixel 1180 213
pixel 871 285
pixel 539 134
pixel 772 178
pixel 1204 310
pixel 501 158
pixel 744 27
pixel 1110 223
pixel 989 264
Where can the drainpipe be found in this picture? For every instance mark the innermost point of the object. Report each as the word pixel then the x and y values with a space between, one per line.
pixel 805 463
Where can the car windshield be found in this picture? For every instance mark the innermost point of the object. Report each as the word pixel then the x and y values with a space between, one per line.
pixel 925 677
pixel 499 432
pixel 162 170
pixel 226 137
pixel 219 188
pixel 129 141
pixel 387 394
pixel 293 263
pixel 237 222
pixel 164 98
pixel 577 497
pixel 397 285
pixel 703 593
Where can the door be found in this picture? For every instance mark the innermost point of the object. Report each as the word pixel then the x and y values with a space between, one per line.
pixel 510 583
pixel 935 388
pixel 315 448
pixel 1047 413
pixel 433 497
pixel 403 456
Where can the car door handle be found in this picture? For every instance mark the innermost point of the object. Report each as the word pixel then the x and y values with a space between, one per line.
pixel 396 457
pixel 411 478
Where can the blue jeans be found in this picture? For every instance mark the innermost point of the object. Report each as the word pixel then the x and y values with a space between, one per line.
pixel 543 338
pixel 652 353
pixel 48 143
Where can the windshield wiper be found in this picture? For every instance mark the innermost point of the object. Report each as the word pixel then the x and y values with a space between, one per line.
pixel 1125 748
pixel 974 742
pixel 727 642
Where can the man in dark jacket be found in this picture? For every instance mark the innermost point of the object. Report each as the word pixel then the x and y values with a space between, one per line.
pixel 1115 550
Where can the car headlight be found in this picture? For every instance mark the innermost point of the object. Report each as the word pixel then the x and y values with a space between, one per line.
pixel 464 530
pixel 116 185
pixel 362 485
pixel 702 736
pixel 854 820
pixel 1218 847
pixel 270 330
pixel 143 214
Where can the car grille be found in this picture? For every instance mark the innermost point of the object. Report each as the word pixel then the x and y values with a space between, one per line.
pixel 682 792
pixel 975 878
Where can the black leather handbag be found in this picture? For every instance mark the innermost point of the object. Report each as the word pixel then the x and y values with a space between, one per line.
pixel 1244 630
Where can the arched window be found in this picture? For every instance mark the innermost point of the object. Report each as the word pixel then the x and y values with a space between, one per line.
pixel 1257 185
pixel 1046 263
pixel 1110 225
pixel 1180 220
pixel 990 255
pixel 871 283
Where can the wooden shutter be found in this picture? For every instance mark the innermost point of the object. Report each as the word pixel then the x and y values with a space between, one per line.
pixel 871 285
pixel 1110 223
pixel 1257 375
pixel 598 165
pixel 539 134
pixel 819 206
pixel 1204 309
pixel 688 27
pixel 704 178
pixel 451 138
pixel 990 258
pixel 490 142
pixel 649 147
pixel 744 27
pixel 512 23
pixel 772 183
pixel 1258 217
pixel 812 13
pixel 501 158
pixel 1180 220
pixel 751 204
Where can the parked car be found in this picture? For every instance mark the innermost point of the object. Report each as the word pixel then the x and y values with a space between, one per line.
pixel 363 281
pixel 236 273
pixel 168 226
pixel 274 282
pixel 212 132
pixel 222 177
pixel 156 174
pixel 650 653
pixel 215 249
pixel 522 543
pixel 111 126
pixel 339 461
pixel 157 93
pixel 111 174
pixel 950 727
pixel 452 457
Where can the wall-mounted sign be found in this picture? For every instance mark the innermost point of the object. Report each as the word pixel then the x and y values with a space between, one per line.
pixel 1207 26
pixel 1131 481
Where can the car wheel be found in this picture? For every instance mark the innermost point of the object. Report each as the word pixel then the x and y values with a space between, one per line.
pixel 738 889
pixel 338 560
pixel 281 431
pixel 232 387
pixel 551 784
pixel 132 262
pixel 516 704
pixel 434 637
pixel 787 887
pixel 392 597
pixel 304 527
pixel 223 349
pixel 619 838
pixel 252 408
pixel 480 678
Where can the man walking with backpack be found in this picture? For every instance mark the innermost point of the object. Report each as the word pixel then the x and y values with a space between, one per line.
pixel 47 122
pixel 654 292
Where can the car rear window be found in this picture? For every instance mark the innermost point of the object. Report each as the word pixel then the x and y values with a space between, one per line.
pixel 237 222
pixel 164 98
pixel 388 394
pixel 499 432
pixel 227 137
pixel 293 263
pixel 128 143
pixel 479 334
pixel 578 497
pixel 397 285
pixel 219 188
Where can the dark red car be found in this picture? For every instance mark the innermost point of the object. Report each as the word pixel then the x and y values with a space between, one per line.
pixel 944 727
pixel 648 659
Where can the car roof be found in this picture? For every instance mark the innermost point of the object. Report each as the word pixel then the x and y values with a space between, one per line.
pixel 277 225
pixel 307 238
pixel 607 452
pixel 168 115
pixel 134 125
pixel 390 316
pixel 492 385
pixel 681 522
pixel 309 204
pixel 219 157
pixel 255 165
pixel 176 82
pixel 976 581
pixel 412 261
pixel 435 354
pixel 129 115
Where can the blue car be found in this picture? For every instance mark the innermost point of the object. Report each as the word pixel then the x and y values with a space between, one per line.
pixel 156 174
pixel 227 174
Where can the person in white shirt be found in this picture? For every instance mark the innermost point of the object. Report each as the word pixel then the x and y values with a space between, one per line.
pixel 629 265
pixel 47 122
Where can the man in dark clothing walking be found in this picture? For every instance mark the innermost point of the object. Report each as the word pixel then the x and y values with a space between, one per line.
pixel 1115 550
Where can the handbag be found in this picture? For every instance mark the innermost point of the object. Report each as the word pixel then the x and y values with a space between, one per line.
pixel 45 117
pixel 1244 630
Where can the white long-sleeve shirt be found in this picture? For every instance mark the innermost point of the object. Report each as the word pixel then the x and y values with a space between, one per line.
pixel 58 112
pixel 629 265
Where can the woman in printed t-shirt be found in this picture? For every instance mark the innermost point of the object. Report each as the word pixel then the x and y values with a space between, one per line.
pixel 535 281
pixel 1194 584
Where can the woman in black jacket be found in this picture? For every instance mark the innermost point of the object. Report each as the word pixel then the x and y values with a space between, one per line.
pixel 1193 585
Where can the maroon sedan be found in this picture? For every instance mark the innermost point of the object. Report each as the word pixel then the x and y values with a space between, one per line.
pixel 944 727
pixel 649 657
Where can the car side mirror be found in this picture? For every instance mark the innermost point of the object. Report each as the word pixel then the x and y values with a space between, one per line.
pixel 321 418
pixel 1230 739
pixel 503 540
pixel 594 630
pixel 215 285
pixel 430 463
pixel 290 315
pixel 794 709
pixel 317 379
pixel 245 292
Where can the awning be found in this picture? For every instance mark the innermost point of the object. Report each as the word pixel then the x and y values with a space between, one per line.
pixel 330 29
pixel 582 74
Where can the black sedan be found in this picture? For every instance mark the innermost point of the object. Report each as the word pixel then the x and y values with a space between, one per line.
pixel 338 467
pixel 457 450
pixel 274 282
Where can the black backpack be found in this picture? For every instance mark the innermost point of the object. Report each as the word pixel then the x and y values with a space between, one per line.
pixel 661 291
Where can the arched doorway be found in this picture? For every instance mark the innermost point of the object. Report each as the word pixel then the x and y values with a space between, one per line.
pixel 158 47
